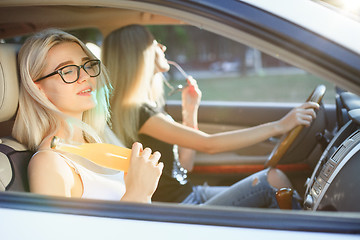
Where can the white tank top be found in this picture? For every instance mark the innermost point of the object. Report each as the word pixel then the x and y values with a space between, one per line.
pixel 103 186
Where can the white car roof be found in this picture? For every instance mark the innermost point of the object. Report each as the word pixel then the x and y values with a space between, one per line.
pixel 318 17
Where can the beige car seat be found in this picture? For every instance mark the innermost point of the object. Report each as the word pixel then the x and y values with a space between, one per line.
pixel 14 157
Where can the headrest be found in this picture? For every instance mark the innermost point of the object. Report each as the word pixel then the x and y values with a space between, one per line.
pixel 9 81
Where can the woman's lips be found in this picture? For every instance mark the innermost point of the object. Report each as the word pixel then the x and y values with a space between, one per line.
pixel 85 92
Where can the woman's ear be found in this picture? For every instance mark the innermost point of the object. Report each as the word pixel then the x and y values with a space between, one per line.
pixel 38 85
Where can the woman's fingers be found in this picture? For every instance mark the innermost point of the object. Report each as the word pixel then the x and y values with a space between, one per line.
pixel 191 81
pixel 192 90
pixel 146 153
pixel 312 105
pixel 155 158
pixel 305 116
pixel 304 119
pixel 307 112
pixel 160 166
pixel 136 149
pixel 310 112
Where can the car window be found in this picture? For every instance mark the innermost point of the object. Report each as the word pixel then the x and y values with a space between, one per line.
pixel 224 69
pixel 230 71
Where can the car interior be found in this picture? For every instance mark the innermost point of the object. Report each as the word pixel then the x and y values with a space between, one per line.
pixel 14 157
pixel 332 176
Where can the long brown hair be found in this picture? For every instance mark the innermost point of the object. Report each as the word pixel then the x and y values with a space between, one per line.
pixel 129 55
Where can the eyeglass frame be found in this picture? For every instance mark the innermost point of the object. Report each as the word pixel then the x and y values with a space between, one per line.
pixel 78 72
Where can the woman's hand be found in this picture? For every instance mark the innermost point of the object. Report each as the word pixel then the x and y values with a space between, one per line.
pixel 143 176
pixel 191 95
pixel 302 115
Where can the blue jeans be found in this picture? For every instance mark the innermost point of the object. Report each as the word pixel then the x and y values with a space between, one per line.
pixel 253 191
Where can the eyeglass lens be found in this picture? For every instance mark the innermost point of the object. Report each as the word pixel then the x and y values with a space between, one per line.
pixel 71 73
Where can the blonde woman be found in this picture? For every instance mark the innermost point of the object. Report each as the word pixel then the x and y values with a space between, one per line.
pixel 64 92
pixel 135 62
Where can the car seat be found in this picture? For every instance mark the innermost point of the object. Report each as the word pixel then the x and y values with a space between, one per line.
pixel 14 157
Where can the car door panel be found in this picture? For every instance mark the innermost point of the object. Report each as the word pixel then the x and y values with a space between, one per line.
pixel 226 116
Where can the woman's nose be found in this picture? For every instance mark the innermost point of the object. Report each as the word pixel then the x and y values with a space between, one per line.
pixel 83 76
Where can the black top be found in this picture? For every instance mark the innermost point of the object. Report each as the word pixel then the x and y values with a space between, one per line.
pixel 174 186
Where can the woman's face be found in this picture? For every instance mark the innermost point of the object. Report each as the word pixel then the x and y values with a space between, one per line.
pixel 75 98
pixel 161 63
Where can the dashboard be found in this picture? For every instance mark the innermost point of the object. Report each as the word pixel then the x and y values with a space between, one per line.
pixel 333 185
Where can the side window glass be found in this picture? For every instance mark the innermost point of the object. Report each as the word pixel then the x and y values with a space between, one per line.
pixel 230 71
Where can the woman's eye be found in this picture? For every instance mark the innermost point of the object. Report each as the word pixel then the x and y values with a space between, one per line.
pixel 67 71
pixel 90 65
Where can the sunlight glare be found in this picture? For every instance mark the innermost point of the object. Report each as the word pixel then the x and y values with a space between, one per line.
pixel 351 5
pixel 95 49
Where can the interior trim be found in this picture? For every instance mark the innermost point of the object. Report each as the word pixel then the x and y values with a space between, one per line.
pixel 175 213
pixel 295 167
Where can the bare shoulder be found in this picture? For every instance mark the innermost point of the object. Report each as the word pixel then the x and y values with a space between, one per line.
pixel 47 160
pixel 49 173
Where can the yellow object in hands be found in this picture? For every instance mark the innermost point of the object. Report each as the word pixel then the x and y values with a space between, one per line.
pixel 103 154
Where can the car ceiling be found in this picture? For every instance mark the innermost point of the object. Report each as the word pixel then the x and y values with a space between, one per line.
pixel 15 21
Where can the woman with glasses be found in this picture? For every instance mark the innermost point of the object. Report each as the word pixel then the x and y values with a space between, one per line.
pixel 64 92
pixel 135 62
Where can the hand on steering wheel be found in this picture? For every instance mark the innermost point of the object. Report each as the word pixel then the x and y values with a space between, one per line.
pixel 287 140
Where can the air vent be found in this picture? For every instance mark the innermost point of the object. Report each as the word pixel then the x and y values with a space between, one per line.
pixel 355 136
pixel 346 146
pixel 338 154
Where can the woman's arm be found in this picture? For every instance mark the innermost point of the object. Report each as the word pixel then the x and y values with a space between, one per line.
pixel 49 174
pixel 191 97
pixel 159 127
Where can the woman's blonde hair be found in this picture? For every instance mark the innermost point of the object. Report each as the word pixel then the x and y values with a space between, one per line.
pixel 37 117
pixel 129 55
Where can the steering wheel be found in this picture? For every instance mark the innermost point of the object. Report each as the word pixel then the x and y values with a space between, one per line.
pixel 288 139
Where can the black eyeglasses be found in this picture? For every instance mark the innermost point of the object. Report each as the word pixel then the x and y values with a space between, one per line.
pixel 70 73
